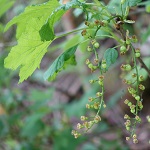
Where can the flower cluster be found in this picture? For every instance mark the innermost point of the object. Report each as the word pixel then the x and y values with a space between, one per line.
pixel 96 102
pixel 129 68
pixel 135 87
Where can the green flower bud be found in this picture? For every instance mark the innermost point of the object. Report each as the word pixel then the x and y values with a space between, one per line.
pixel 88 106
pixel 141 78
pixel 96 105
pixel 96 45
pixel 91 99
pixel 128 67
pixel 122 2
pixel 127 128
pixel 105 23
pixel 90 65
pixel 89 49
pixel 123 49
pixel 126 101
pixel 97 119
pixel 83 118
pixel 137 55
pixel 92 81
pixel 104 66
pixel 137 98
pixel 129 104
pixel 141 87
pixel 87 61
pixel 134 39
pixel 128 42
pixel 98 94
pixel 132 110
pixel 100 82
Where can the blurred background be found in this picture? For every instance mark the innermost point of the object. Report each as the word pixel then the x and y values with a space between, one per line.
pixel 39 115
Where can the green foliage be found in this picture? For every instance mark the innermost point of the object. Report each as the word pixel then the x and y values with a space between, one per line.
pixel 64 140
pixel 35 32
pixel 5 5
pixel 34 37
pixel 60 63
pixel 110 56
pixel 48 28
pixel 132 3
pixel 148 8
pixel 30 49
pixel 72 109
pixel 115 7
pixel 145 35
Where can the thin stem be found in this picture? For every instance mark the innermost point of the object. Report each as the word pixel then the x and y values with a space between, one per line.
pixel 135 66
pixel 122 10
pixel 99 5
pixel 113 35
pixel 97 30
pixel 143 64
pixel 114 17
pixel 104 36
pixel 67 33
pixel 100 106
pixel 96 54
pixel 137 87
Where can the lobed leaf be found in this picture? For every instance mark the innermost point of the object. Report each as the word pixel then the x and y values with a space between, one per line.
pixel 65 59
pixel 30 49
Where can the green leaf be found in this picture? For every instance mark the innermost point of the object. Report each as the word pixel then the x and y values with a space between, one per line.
pixel 114 6
pixel 34 11
pixel 132 3
pixel 110 56
pixel 145 3
pixel 148 8
pixel 5 5
pixel 145 35
pixel 30 49
pixel 48 27
pixel 60 63
pixel 33 125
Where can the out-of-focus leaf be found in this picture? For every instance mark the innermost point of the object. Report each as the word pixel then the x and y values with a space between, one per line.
pixel 5 5
pixel 72 109
pixel 145 35
pixel 89 146
pixel 61 143
pixel 32 125
pixel 132 3
pixel 148 8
